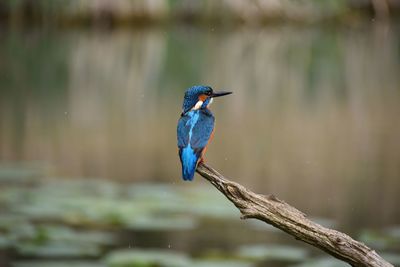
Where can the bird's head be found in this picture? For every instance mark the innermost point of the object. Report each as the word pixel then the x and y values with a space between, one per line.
pixel 199 96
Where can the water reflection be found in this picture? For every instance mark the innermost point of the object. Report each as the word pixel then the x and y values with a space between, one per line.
pixel 313 118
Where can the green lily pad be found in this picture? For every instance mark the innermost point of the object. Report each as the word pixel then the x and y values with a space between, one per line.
pixel 84 209
pixel 58 249
pixel 143 207
pixel 66 234
pixel 273 252
pixel 55 241
pixel 146 258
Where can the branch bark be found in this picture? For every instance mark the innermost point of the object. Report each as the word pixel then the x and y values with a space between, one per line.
pixel 278 213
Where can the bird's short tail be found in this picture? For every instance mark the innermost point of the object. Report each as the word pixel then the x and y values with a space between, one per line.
pixel 189 159
pixel 188 174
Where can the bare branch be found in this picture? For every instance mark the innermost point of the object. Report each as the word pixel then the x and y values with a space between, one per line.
pixel 278 213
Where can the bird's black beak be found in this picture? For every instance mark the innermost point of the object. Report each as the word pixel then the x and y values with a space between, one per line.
pixel 221 93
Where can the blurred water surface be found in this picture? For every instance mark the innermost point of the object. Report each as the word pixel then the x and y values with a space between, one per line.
pixel 314 117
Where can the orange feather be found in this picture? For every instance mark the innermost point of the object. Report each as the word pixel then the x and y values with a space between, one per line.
pixel 203 97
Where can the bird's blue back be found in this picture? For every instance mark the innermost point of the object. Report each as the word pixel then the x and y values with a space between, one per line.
pixel 194 131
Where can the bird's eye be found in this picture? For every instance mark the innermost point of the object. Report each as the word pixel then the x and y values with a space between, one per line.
pixel 208 93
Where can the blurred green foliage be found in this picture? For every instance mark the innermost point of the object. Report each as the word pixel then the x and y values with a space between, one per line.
pixel 209 11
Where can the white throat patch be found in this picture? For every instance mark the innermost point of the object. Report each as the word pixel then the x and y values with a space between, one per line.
pixel 198 105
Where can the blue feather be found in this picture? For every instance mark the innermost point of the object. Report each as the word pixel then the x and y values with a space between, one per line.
pixel 194 131
pixel 189 163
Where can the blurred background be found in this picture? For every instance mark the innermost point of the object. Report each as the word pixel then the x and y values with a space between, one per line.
pixel 90 94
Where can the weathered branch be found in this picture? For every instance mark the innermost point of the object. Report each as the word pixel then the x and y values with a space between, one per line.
pixel 287 218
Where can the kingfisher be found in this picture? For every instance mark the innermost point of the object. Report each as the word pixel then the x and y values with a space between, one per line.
pixel 195 127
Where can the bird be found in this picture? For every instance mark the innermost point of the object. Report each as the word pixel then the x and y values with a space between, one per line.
pixel 195 127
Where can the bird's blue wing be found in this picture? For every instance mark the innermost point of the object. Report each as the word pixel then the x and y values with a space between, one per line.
pixel 187 154
pixel 183 131
pixel 202 131
pixel 194 131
